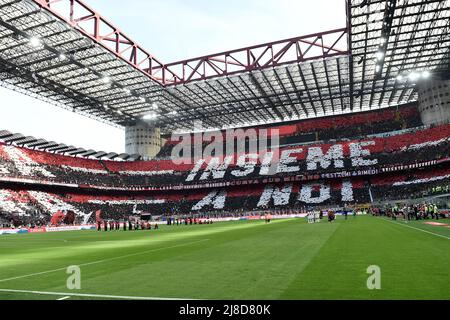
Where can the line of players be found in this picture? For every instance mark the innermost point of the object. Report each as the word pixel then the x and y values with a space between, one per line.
pixel 317 216
pixel 144 225
pixel 172 221
pixel 125 225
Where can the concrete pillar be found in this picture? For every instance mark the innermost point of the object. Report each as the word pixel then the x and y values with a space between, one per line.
pixel 142 139
pixel 434 101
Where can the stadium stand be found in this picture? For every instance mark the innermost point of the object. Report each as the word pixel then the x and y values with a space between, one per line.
pixel 337 127
pixel 340 138
pixel 19 206
pixel 396 157
pixel 420 146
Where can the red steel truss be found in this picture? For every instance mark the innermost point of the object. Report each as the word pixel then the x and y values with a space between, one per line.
pixel 87 65
pixel 92 24
pixel 314 46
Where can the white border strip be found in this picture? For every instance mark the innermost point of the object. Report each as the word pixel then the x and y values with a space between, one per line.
pixel 127 202
pixel 429 232
pixel 105 260
pixel 425 180
pixel 67 295
pixel 146 173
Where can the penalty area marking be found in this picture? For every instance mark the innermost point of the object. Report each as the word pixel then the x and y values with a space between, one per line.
pixel 101 261
pixel 87 295
pixel 426 231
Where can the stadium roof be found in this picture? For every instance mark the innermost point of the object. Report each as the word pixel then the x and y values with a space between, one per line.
pixel 65 53
pixel 59 148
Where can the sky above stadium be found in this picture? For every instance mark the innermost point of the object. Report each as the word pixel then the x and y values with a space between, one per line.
pixel 172 30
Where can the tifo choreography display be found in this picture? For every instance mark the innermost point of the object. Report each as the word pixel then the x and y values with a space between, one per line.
pixel 312 167
pixel 396 160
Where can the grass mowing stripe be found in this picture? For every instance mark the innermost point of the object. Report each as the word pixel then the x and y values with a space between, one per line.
pixel 87 295
pixel 413 266
pixel 426 231
pixel 219 228
pixel 242 260
pixel 94 240
pixel 311 239
pixel 229 260
pixel 101 261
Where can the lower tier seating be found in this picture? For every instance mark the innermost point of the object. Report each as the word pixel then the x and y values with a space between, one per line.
pixel 22 206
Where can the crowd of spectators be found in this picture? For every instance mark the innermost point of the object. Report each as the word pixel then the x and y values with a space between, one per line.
pixel 240 201
pixel 408 211
pixel 325 129
pixel 411 191
pixel 31 218
pixel 109 180
pixel 403 149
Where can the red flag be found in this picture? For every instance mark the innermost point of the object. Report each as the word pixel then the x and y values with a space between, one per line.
pixel 57 218
pixel 98 216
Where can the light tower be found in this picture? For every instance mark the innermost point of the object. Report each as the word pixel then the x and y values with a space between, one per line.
pixel 143 139
pixel 434 100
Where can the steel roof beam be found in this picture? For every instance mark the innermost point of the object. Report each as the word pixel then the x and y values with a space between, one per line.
pixel 380 100
pixel 277 96
pixel 302 76
pixel 263 94
pixel 291 80
pixel 245 99
pixel 277 76
pixel 247 118
pixel 318 88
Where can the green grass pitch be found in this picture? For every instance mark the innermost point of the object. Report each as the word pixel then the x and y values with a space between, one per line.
pixel 286 259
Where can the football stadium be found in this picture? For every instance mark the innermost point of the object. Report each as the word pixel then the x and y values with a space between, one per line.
pixel 315 167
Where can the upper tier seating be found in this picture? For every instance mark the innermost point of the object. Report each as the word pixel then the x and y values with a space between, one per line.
pixel 375 153
pixel 336 127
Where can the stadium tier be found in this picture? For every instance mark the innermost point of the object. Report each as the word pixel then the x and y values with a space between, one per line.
pixel 389 152
pixel 24 206
pixel 337 127
pixel 311 167
pixel 399 159
pixel 344 116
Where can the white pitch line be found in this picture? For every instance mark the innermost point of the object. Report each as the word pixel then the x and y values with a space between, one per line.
pixel 88 295
pixel 426 231
pixel 63 298
pixel 101 261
